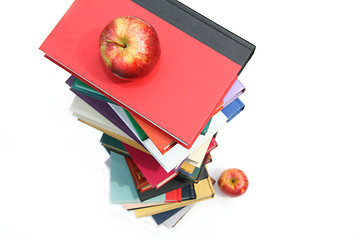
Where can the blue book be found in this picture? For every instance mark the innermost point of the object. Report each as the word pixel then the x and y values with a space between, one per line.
pixel 233 109
pixel 162 217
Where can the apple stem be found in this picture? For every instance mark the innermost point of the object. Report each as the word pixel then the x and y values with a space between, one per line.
pixel 121 45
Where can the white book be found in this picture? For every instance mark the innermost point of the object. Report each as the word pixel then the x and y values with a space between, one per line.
pixel 197 157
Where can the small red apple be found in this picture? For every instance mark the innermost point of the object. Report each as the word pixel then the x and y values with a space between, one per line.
pixel 129 47
pixel 233 182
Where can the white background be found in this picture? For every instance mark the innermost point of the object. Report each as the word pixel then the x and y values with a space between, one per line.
pixel 297 139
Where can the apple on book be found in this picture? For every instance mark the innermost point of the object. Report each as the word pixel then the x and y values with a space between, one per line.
pixel 129 47
pixel 233 182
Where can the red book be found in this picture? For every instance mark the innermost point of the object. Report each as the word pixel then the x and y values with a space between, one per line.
pixel 152 170
pixel 213 144
pixel 169 97
pixel 142 184
pixel 174 196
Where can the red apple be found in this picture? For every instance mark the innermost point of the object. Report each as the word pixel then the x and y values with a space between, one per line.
pixel 129 47
pixel 233 182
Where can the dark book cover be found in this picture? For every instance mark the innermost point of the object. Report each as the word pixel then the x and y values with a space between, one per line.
pixel 113 144
pixel 169 186
pixel 201 28
pixel 162 217
pixel 187 193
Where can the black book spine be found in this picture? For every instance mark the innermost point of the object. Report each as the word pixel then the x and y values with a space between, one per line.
pixel 201 28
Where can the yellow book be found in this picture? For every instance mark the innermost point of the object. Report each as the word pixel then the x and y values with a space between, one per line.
pixel 203 189
pixel 187 167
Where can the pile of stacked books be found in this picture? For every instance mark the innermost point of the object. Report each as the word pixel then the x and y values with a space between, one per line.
pixel 159 130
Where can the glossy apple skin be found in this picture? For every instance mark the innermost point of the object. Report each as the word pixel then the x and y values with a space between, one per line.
pixel 233 182
pixel 129 47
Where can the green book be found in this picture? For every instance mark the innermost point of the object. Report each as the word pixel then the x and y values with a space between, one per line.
pixel 192 177
pixel 204 131
pixel 86 89
pixel 112 144
pixel 139 131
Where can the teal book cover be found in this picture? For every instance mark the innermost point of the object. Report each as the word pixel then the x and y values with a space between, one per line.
pixel 81 87
pixel 122 186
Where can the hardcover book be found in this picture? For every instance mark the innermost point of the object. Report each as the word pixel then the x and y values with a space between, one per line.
pixel 151 169
pixel 203 189
pixel 81 87
pixel 219 55
pixel 112 144
pixel 187 193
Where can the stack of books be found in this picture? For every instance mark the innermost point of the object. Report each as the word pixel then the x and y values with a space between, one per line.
pixel 159 130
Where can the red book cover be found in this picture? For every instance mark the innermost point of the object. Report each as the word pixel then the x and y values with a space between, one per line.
pixel 153 172
pixel 174 196
pixel 161 140
pixel 169 96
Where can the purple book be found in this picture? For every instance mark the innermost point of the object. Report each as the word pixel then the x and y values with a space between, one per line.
pixel 235 91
